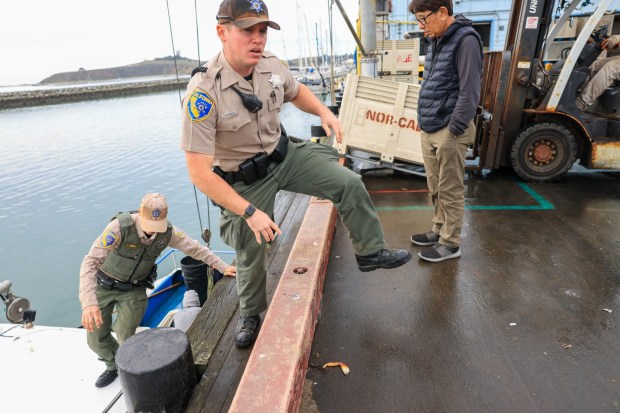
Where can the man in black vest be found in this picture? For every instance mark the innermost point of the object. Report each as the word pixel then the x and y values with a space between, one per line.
pixel 116 271
pixel 448 99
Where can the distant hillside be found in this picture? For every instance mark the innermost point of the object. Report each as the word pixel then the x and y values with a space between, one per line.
pixel 158 67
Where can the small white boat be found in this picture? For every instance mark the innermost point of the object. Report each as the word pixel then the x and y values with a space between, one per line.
pixel 52 369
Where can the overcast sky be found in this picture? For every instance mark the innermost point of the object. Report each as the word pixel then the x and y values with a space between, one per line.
pixel 41 37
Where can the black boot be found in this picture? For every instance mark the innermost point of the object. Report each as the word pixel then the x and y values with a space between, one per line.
pixel 106 378
pixel 247 330
pixel 382 259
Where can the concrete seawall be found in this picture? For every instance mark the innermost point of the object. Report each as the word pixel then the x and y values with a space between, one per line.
pixel 31 98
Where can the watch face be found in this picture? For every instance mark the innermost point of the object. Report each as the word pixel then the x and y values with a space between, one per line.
pixel 249 211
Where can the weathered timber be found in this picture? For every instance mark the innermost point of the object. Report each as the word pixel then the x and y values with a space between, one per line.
pixel 274 376
pixel 224 362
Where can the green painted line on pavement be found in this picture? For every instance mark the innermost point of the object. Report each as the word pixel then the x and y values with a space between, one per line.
pixel 543 204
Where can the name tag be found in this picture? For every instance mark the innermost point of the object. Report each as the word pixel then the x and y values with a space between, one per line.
pixel 228 115
pixel 131 245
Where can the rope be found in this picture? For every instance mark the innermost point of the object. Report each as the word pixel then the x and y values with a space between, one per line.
pixel 195 192
pixel 197 37
pixel 176 70
pixel 198 209
pixel 174 55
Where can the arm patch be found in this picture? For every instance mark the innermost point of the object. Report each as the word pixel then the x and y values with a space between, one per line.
pixel 107 240
pixel 199 105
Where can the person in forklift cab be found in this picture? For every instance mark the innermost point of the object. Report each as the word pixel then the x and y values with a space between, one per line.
pixel 447 104
pixel 111 275
pixel 603 73
pixel 238 155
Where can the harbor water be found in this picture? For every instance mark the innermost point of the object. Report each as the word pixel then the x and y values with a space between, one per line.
pixel 65 170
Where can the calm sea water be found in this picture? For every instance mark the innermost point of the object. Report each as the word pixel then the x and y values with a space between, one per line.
pixel 66 169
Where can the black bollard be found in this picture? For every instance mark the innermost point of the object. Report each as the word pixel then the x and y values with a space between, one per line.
pixel 157 372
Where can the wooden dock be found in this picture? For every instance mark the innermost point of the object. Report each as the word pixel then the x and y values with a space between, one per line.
pixel 218 360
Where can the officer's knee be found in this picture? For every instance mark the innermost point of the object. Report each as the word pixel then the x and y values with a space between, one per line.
pixel 354 189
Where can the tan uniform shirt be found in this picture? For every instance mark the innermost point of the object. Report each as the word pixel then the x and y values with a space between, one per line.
pixel 215 122
pixel 102 247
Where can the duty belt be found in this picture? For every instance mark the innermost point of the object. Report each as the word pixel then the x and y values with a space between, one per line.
pixel 108 283
pixel 255 168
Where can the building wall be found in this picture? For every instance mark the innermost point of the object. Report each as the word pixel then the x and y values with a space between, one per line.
pixel 495 12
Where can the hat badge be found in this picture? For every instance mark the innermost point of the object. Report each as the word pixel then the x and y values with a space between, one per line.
pixel 156 213
pixel 256 6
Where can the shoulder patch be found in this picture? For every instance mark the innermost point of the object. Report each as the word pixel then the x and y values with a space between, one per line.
pixel 107 240
pixel 199 106
pixel 179 233
pixel 284 63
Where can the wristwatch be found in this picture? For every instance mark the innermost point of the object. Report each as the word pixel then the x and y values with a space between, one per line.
pixel 249 211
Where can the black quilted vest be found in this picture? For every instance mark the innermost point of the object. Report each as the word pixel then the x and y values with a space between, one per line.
pixel 440 82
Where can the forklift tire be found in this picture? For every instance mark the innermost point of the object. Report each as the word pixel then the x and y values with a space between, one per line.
pixel 543 152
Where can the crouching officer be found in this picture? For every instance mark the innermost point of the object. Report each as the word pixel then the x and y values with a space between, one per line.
pixel 117 269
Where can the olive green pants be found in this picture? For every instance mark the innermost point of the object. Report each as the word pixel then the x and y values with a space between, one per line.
pixel 311 169
pixel 130 306
pixel 444 163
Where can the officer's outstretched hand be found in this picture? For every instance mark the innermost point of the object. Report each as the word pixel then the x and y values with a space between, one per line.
pixel 263 226
pixel 329 120
pixel 230 271
pixel 91 318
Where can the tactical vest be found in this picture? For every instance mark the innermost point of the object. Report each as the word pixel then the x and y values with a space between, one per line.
pixel 440 82
pixel 133 261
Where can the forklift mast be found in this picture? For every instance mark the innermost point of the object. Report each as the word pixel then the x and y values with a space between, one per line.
pixel 508 84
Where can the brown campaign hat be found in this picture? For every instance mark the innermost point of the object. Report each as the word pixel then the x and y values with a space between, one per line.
pixel 245 13
pixel 153 212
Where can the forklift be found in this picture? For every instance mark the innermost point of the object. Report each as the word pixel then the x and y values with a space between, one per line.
pixel 528 118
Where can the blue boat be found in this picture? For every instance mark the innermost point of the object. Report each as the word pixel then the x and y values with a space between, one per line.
pixel 167 296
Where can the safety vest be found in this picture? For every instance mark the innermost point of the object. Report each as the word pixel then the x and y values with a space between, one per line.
pixel 132 260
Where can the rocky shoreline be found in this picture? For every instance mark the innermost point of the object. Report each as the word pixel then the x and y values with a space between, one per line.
pixel 31 98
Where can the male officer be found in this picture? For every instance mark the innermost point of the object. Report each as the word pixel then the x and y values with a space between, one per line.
pixel 116 273
pixel 237 155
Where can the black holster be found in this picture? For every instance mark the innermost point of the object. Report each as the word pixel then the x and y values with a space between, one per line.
pixel 279 153
pixel 255 168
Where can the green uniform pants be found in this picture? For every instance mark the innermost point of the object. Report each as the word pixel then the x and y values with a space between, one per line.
pixel 130 306
pixel 311 169
pixel 444 163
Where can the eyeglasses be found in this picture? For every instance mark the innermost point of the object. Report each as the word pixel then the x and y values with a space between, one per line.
pixel 423 19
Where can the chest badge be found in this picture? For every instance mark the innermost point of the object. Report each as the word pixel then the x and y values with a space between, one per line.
pixel 275 81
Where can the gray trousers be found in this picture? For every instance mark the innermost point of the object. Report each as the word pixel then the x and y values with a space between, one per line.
pixel 444 162
pixel 311 169
pixel 603 74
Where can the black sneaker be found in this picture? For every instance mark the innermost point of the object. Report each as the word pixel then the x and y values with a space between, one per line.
pixel 429 238
pixel 106 378
pixel 382 259
pixel 439 253
pixel 247 330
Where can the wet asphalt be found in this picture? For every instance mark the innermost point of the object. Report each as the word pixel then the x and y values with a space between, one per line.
pixel 523 321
